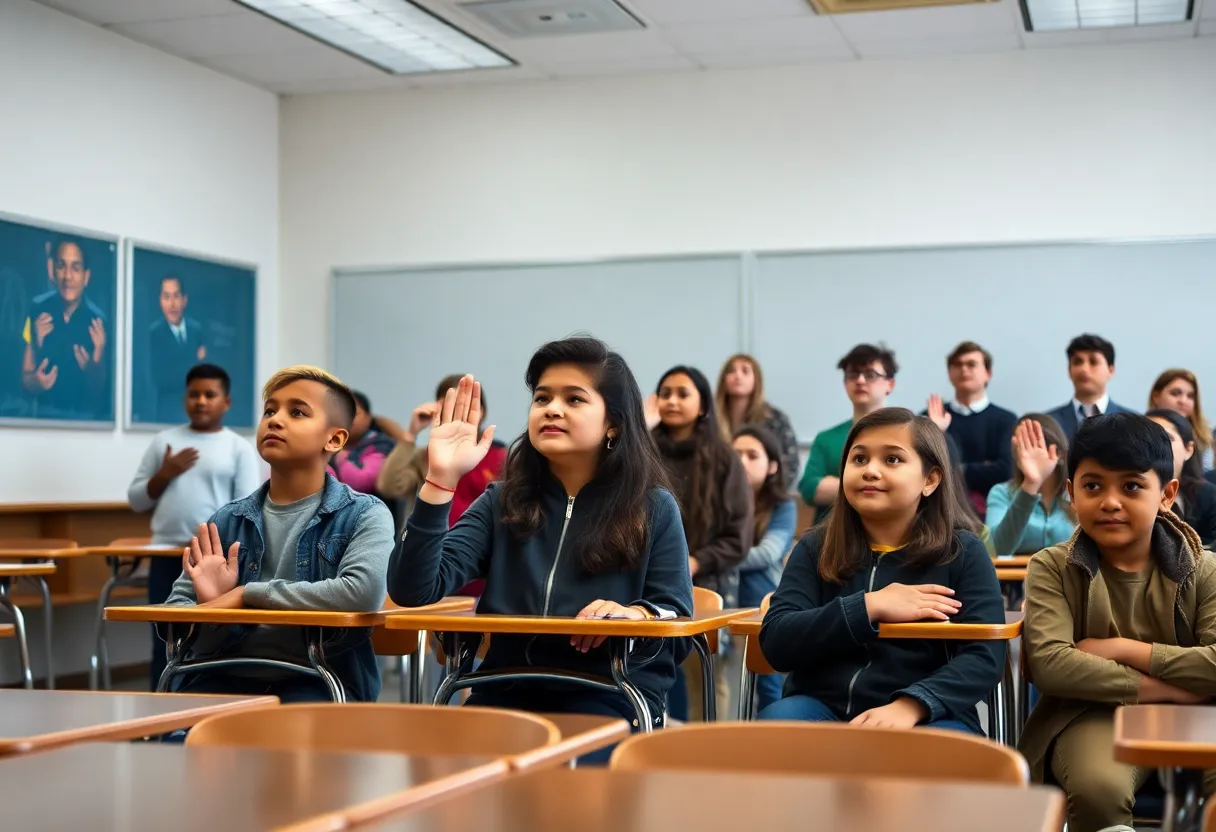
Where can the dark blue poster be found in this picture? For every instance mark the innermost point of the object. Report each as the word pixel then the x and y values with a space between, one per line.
pixel 187 311
pixel 58 296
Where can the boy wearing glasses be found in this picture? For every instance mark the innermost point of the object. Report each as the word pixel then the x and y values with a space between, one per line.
pixel 869 377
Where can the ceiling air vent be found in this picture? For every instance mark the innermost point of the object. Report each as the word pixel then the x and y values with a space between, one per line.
pixel 544 18
pixel 847 6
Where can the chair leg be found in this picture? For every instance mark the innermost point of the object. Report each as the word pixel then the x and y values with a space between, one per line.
pixel 48 631
pixel 709 688
pixel 417 670
pixel 747 687
pixel 23 645
pixel 316 657
pixel 98 676
pixel 618 649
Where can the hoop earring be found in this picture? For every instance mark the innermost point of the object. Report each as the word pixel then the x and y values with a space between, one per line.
pixel 610 438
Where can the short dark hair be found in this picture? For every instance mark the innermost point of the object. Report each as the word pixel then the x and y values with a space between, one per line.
pixel 362 399
pixel 61 240
pixel 181 284
pixel 1123 442
pixel 210 371
pixel 1191 480
pixel 863 355
pixel 969 347
pixel 1092 343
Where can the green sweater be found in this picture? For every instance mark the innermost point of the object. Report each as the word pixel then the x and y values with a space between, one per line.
pixel 826 451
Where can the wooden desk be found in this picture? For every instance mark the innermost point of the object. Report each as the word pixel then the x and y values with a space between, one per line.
pixel 412 643
pixel 8 573
pixel 617 631
pixel 598 800
pixel 37 720
pixel 581 734
pixel 1012 562
pixel 150 787
pixel 1180 740
pixel 1010 575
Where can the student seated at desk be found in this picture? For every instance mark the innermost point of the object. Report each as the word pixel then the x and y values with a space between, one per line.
pixel 580 526
pixel 304 541
pixel 891 551
pixel 1123 613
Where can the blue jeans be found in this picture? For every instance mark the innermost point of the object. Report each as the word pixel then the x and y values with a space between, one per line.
pixel 810 709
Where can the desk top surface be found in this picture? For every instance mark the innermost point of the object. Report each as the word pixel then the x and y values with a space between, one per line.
pixel 1182 736
pixel 195 614
pixel 470 622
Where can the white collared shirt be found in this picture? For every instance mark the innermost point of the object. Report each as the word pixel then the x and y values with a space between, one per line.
pixel 1102 403
pixel 977 406
pixel 179 331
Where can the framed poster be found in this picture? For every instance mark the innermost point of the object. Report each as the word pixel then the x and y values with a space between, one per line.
pixel 58 302
pixel 187 310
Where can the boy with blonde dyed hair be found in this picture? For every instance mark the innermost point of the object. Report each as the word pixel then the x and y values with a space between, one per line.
pixel 304 541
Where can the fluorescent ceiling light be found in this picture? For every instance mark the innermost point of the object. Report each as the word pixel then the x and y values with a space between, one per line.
pixel 1059 15
pixel 396 36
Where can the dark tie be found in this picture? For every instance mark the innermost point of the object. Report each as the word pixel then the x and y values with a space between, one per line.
pixel 1088 410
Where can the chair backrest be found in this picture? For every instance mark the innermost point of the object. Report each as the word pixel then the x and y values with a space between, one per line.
pixel 1209 817
pixel 131 541
pixel 706 600
pixel 370 727
pixel 37 543
pixel 824 749
pixel 756 662
pixel 768 599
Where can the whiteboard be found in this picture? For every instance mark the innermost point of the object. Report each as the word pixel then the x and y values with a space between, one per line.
pixel 398 332
pixel 1153 300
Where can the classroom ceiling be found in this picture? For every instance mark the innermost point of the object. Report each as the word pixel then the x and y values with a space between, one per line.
pixel 678 35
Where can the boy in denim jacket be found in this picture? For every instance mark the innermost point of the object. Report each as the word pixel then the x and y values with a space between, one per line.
pixel 303 541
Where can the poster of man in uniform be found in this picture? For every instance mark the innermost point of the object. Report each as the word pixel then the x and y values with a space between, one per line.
pixel 58 296
pixel 188 310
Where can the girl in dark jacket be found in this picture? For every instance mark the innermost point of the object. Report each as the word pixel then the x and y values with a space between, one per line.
pixel 891 551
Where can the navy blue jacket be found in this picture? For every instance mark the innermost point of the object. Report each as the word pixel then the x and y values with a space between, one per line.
pixel 820 634
pixel 543 576
pixel 1068 417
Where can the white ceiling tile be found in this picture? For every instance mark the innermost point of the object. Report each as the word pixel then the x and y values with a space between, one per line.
pixel 689 11
pixel 671 63
pixel 938 46
pixel 1207 27
pixel 608 47
pixel 1207 9
pixel 778 34
pixel 312 62
pixel 104 12
pixel 235 34
pixel 744 60
pixel 936 22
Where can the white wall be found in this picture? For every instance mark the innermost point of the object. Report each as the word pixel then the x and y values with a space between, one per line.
pixel 1097 142
pixel 99 132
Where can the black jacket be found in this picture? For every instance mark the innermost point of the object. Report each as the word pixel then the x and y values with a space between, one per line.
pixel 430 562
pixel 1199 512
pixel 820 634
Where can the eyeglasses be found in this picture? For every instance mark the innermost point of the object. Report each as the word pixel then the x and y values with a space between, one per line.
pixel 869 376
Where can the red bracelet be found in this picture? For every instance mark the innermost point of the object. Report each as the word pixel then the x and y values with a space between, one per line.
pixel 430 481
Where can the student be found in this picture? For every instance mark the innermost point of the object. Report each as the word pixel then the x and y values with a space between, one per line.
pixel 581 525
pixel 980 429
pixel 1123 613
pixel 739 401
pixel 175 344
pixel 1091 363
pixel 1178 390
pixel 303 541
pixel 187 474
pixel 358 465
pixel 891 551
pixel 1032 510
pixel 776 518
pixel 405 468
pixel 715 498
pixel 869 377
pixel 1195 502
pixel 65 365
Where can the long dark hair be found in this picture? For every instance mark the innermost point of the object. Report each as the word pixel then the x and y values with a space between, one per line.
pixel 617 530
pixel 712 459
pixel 772 492
pixel 1191 479
pixel 932 536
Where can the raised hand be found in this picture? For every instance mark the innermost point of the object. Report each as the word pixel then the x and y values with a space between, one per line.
pixel 97 334
pixel 454 449
pixel 900 603
pixel 1034 458
pixel 651 410
pixel 938 412
pixel 46 378
pixel 82 355
pixel 44 324
pixel 175 464
pixel 421 419
pixel 203 560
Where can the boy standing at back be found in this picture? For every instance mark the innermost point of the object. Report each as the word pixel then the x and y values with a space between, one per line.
pixel 869 377
pixel 1124 613
pixel 303 541
pixel 1091 364
pixel 186 475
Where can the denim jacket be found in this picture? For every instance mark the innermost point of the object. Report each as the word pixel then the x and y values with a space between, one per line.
pixel 348 651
